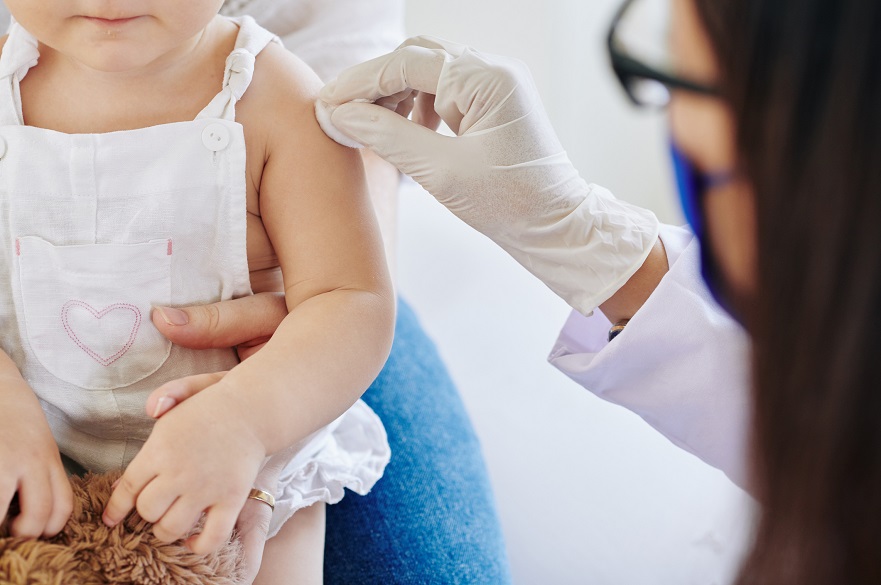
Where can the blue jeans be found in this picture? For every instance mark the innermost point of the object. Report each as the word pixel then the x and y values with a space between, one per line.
pixel 432 517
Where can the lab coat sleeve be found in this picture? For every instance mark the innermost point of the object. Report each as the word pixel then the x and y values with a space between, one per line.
pixel 682 363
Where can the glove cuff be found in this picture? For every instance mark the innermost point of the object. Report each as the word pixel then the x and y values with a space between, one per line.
pixel 591 252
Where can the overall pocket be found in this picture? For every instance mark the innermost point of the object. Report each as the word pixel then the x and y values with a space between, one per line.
pixel 87 309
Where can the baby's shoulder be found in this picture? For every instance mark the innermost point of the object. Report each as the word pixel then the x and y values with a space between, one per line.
pixel 279 70
pixel 282 92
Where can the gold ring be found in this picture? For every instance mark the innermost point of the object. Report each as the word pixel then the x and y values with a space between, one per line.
pixel 262 496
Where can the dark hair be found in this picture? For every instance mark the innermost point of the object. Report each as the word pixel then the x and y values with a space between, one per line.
pixel 803 79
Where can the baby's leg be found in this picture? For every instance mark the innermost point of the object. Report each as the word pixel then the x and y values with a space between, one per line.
pixel 296 554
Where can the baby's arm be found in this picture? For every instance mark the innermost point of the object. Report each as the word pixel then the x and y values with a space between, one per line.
pixel 316 210
pixel 30 463
pixel 332 344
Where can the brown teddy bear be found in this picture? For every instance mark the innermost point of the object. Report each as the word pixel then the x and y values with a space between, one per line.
pixel 87 552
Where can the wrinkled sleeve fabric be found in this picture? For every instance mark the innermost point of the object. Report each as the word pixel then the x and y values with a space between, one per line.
pixel 329 35
pixel 682 363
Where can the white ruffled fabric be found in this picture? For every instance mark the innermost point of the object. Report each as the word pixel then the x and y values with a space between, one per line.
pixel 350 453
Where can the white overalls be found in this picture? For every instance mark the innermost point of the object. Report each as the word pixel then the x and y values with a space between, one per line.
pixel 98 228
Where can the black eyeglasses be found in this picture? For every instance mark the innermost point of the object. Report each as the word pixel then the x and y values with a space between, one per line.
pixel 647 85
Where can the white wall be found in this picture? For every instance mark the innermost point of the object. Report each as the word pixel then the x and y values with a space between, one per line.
pixel 588 493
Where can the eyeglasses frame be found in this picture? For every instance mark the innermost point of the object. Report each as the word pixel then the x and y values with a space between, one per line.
pixel 627 68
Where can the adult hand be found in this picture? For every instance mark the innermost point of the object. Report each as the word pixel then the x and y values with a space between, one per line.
pixel 253 526
pixel 246 323
pixel 505 173
pixel 30 466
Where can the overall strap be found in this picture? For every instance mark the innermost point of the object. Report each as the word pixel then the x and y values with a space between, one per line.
pixel 239 72
pixel 20 53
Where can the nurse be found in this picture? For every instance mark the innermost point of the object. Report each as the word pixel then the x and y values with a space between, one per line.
pixel 777 136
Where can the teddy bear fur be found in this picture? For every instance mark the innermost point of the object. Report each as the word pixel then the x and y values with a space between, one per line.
pixel 87 552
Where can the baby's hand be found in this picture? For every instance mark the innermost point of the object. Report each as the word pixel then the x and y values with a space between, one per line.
pixel 30 465
pixel 255 517
pixel 200 457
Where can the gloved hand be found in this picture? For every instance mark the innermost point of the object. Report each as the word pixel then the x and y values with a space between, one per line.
pixel 505 173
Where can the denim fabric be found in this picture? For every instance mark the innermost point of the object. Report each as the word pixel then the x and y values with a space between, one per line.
pixel 432 517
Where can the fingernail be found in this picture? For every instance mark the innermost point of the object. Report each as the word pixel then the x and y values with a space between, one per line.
pixel 108 522
pixel 115 483
pixel 174 317
pixel 163 405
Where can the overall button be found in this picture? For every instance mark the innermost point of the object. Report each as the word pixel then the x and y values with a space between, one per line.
pixel 215 137
pixel 2 147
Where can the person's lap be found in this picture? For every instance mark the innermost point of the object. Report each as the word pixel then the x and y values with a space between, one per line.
pixel 432 517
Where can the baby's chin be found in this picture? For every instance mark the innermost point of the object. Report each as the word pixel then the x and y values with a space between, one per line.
pixel 117 59
pixel 135 52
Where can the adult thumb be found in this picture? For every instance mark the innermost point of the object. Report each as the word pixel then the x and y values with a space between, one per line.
pixel 410 147
pixel 247 320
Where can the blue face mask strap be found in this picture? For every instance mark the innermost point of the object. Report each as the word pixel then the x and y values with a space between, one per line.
pixel 718 179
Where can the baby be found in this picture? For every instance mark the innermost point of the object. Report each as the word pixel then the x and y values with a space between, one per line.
pixel 128 186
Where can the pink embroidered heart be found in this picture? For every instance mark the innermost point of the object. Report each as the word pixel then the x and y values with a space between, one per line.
pixel 95 334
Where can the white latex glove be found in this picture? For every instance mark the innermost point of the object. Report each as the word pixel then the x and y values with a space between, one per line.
pixel 505 173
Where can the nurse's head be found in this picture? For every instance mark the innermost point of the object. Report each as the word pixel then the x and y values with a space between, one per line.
pixel 775 109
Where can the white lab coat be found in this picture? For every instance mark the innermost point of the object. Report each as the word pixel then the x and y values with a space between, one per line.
pixel 681 363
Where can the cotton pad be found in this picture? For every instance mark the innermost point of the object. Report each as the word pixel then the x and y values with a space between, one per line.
pixel 323 113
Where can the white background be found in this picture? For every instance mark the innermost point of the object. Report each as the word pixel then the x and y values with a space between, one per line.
pixel 587 492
